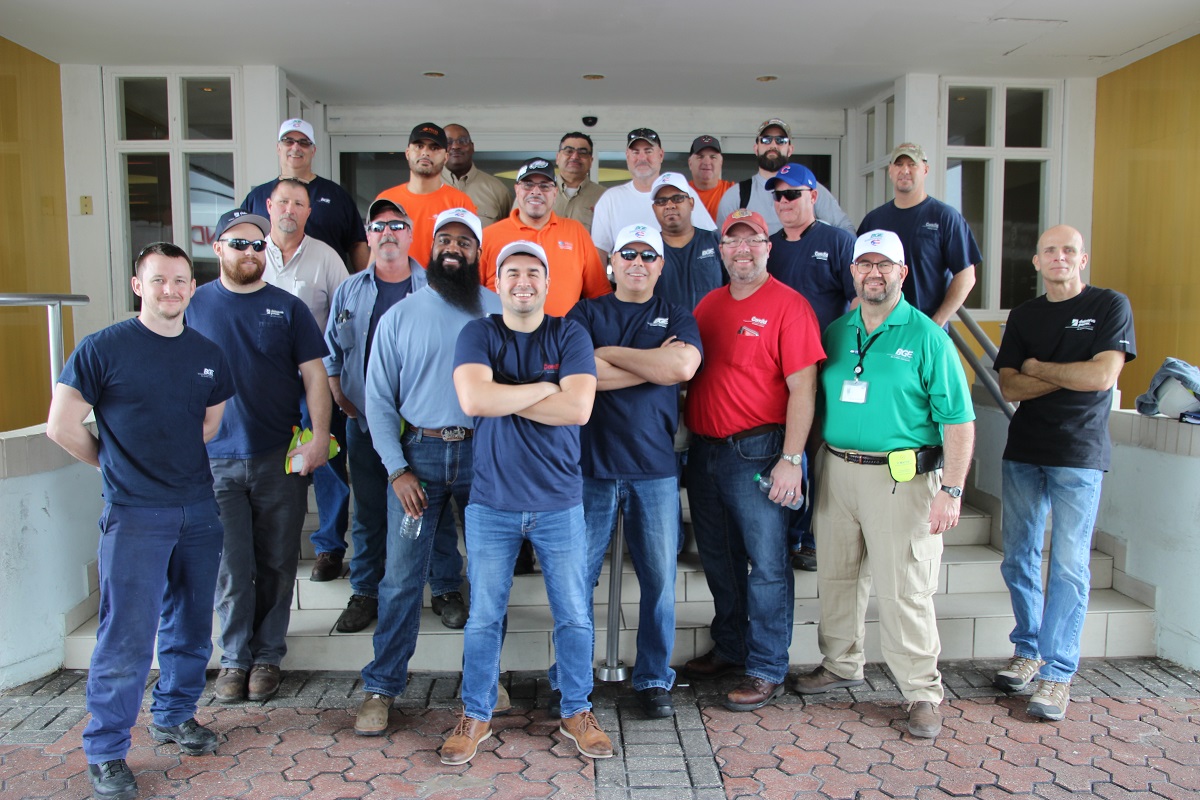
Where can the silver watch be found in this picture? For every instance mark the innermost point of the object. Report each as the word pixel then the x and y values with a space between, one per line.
pixel 794 460
pixel 953 491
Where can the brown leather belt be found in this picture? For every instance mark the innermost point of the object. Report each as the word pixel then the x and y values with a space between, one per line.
pixel 451 433
pixel 746 434
pixel 929 458
pixel 852 457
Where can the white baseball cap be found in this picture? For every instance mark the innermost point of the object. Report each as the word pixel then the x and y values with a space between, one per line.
pixel 299 126
pixel 459 215
pixel 639 233
pixel 885 243
pixel 522 246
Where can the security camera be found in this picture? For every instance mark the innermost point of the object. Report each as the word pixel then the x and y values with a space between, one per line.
pixel 590 122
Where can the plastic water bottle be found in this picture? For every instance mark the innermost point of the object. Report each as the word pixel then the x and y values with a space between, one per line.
pixel 410 528
pixel 766 483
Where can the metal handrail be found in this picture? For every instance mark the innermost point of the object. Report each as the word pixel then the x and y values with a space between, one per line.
pixel 984 374
pixel 53 304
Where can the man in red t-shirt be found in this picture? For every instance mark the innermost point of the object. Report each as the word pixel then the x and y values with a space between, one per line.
pixel 425 195
pixel 750 409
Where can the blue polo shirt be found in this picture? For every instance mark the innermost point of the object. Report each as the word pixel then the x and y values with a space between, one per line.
pixel 817 265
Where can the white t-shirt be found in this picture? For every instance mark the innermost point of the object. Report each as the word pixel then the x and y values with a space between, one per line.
pixel 625 205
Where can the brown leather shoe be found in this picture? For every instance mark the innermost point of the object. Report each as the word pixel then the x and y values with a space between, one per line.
pixel 264 681
pixel 709 666
pixel 924 719
pixel 460 746
pixel 822 680
pixel 591 740
pixel 327 568
pixel 230 686
pixel 752 693
pixel 372 717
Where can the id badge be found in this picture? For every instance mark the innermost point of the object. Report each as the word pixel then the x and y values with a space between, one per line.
pixel 854 391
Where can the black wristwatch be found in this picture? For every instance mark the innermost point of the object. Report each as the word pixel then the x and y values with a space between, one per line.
pixel 398 473
pixel 953 491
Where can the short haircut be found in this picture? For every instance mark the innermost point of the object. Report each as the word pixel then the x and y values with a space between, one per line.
pixel 291 181
pixel 165 249
pixel 577 135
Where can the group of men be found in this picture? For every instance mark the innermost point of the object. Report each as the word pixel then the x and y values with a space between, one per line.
pixel 495 369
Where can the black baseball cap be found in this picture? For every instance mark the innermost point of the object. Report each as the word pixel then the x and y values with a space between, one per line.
pixel 428 132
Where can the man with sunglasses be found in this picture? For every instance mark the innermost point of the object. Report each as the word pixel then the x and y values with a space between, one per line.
pixel 630 203
pixel 811 257
pixel 529 381
pixel 492 198
pixel 424 441
pixel 898 426
pixel 749 409
pixel 274 349
pixel 577 192
pixel 334 217
pixel 691 256
pixel 578 271
pixel 645 347
pixel 773 147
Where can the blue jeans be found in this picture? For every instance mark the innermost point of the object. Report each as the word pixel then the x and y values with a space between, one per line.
pixel 262 509
pixel 650 509
pixel 742 539
pixel 158 567
pixel 558 539
pixel 330 486
pixel 1049 623
pixel 446 470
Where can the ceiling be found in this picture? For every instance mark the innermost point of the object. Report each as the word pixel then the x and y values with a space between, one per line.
pixel 672 52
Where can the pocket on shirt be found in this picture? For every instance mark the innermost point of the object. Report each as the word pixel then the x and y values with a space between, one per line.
pixel 274 338
pixel 343 333
pixel 198 396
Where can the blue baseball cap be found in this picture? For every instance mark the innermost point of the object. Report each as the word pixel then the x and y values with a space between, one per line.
pixel 794 175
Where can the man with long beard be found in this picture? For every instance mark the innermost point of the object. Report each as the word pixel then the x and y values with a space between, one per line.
pixel 274 348
pixel 773 147
pixel 424 440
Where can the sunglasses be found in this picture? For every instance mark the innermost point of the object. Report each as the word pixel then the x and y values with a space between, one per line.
pixel 775 139
pixel 241 244
pixel 789 194
pixel 289 141
pixel 647 256
pixel 391 225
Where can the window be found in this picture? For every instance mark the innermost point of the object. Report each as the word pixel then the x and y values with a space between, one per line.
pixel 877 134
pixel 1001 171
pixel 172 141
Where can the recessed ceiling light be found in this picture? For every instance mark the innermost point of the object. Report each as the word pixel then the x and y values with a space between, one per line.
pixel 434 74
pixel 593 77
pixel 766 78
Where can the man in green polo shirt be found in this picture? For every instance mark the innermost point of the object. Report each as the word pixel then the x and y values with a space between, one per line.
pixel 897 406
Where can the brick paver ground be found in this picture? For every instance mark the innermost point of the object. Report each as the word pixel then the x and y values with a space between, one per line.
pixel 1133 731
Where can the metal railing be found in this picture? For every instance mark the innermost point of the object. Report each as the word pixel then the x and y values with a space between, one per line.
pixel 983 373
pixel 53 304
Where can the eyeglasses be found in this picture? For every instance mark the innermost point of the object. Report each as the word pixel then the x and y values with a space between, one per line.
pixel 647 256
pixel 775 139
pixel 884 267
pixel 241 244
pixel 289 141
pixel 756 241
pixel 789 194
pixel 544 187
pixel 582 152
pixel 502 377
pixel 391 225
pixel 462 140
pixel 674 200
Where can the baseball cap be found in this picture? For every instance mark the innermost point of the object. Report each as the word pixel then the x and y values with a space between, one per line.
pixel 239 215
pixel 793 175
pixel 459 215
pixel 522 246
pixel 913 151
pixel 744 216
pixel 885 243
pixel 428 132
pixel 639 233
pixel 536 166
pixel 670 179
pixel 297 125
pixel 381 204
pixel 642 133
pixel 775 122
pixel 704 142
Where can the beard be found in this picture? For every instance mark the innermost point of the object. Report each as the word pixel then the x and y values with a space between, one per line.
pixel 772 161
pixel 458 286
pixel 242 271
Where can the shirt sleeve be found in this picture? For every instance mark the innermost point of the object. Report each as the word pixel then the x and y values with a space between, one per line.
pixel 729 203
pixel 959 249
pixel 684 328
pixel 595 276
pixel 602 232
pixel 800 337
pixel 576 356
pixel 83 373
pixel 333 361
pixel 1116 332
pixel 1012 351
pixel 949 396
pixel 223 386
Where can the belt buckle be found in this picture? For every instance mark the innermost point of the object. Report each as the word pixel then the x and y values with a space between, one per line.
pixel 852 457
pixel 454 433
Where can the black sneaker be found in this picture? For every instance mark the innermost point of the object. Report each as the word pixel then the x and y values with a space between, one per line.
pixel 193 738
pixel 112 780
pixel 656 702
pixel 804 558
pixel 359 613
pixel 452 609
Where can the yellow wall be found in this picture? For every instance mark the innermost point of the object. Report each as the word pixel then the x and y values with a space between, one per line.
pixel 33 227
pixel 1146 205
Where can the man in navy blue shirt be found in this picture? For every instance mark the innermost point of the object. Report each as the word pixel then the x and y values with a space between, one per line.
pixel 158 390
pixel 691 258
pixel 645 348
pixel 274 349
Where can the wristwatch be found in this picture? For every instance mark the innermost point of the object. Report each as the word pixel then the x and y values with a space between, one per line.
pixel 398 473
pixel 953 491
pixel 794 459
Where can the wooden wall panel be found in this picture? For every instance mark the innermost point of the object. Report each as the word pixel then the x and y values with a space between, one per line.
pixel 1146 204
pixel 33 227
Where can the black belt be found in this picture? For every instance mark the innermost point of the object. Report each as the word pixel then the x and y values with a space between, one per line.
pixel 852 457
pixel 928 458
pixel 746 434
pixel 451 433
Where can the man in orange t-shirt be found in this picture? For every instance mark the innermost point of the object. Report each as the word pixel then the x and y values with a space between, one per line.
pixel 425 195
pixel 575 267
pixel 705 162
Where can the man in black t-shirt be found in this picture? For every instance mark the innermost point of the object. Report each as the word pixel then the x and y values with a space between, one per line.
pixel 1060 358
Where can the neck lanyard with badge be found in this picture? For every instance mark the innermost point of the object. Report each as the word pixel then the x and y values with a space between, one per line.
pixel 855 391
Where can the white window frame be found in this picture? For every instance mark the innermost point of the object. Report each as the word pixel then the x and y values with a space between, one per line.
pixel 881 192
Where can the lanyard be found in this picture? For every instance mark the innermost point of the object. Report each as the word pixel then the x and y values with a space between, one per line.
pixel 862 350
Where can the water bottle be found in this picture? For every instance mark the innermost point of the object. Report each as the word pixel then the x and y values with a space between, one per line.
pixel 766 483
pixel 410 528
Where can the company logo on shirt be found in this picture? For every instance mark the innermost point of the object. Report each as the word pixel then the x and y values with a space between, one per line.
pixel 1082 325
pixel 902 354
pixel 821 255
pixel 709 252
pixel 324 200
pixel 930 226
pixel 209 373
pixel 659 322
pixel 566 245
pixel 274 312
pixel 759 321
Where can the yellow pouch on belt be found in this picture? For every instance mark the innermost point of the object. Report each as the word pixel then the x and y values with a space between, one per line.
pixel 299 437
pixel 902 464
